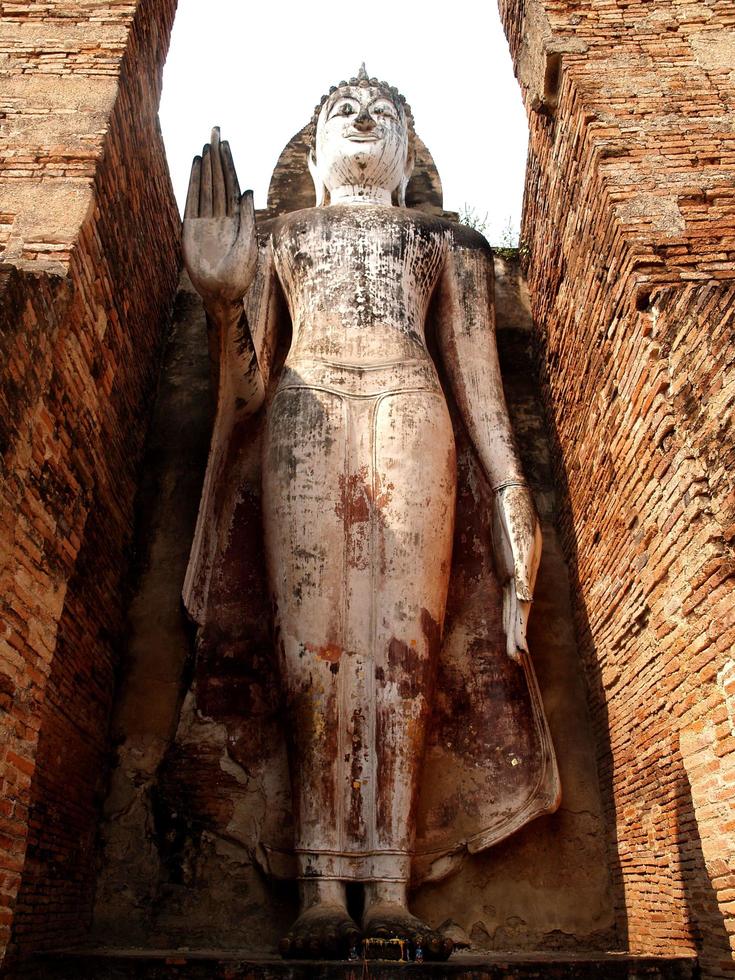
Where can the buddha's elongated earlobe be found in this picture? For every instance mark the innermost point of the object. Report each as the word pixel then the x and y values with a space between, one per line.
pixel 408 170
pixel 401 192
pixel 319 187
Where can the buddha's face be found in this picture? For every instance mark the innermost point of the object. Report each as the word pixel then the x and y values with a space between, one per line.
pixel 361 140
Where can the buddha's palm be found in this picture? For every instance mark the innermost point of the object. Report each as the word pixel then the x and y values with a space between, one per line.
pixel 220 247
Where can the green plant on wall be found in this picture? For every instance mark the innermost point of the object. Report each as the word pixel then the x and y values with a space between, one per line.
pixel 508 244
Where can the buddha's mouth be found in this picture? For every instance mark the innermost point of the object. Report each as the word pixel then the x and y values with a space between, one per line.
pixel 362 137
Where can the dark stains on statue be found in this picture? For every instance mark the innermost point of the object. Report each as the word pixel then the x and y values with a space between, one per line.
pixel 314 733
pixel 328 652
pixel 407 665
pixel 432 633
pixel 355 823
pixel 306 411
pixel 386 768
pixel 361 501
pixel 499 687
pixel 311 233
pixel 354 506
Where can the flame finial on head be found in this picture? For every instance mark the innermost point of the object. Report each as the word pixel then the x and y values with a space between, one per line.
pixel 362 75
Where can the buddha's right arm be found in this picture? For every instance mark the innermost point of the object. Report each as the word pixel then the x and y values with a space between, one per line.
pixel 222 258
pixel 243 337
pixel 240 383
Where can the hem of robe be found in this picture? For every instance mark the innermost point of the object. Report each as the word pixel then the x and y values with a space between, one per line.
pixel 384 865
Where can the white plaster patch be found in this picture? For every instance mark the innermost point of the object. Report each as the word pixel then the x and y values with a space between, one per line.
pixel 726 683
pixel 662 212
pixel 714 49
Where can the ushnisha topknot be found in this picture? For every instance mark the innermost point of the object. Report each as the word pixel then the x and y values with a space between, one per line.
pixel 362 80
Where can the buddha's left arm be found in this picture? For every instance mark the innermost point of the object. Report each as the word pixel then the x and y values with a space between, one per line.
pixel 466 337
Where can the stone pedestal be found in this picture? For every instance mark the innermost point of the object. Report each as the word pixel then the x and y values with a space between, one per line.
pixel 174 964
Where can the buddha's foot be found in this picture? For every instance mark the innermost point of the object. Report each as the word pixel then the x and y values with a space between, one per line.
pixel 322 932
pixel 389 920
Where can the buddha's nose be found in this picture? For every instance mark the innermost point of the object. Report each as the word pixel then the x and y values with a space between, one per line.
pixel 364 121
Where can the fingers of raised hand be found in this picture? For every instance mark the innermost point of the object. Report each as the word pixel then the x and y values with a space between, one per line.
pixel 247 215
pixel 213 188
pixel 192 195
pixel 232 186
pixel 246 238
pixel 219 204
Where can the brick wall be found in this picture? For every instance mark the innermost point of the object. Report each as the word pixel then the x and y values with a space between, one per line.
pixel 90 235
pixel 630 230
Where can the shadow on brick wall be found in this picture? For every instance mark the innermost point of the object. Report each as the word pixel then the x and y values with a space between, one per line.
pixel 54 905
pixel 588 658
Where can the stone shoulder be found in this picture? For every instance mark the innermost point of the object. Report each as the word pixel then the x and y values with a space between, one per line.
pixel 459 237
pixel 463 238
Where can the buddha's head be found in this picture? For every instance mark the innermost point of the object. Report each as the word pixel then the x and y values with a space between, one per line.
pixel 362 143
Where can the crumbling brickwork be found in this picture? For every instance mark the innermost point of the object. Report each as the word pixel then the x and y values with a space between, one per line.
pixel 90 234
pixel 630 230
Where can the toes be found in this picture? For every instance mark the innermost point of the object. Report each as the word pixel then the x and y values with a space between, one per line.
pixel 436 947
pixel 320 937
pixel 291 946
pixel 351 939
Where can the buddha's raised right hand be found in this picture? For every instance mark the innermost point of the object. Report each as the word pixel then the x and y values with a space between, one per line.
pixel 220 246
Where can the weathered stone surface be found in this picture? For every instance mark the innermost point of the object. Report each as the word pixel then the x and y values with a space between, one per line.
pixel 401 540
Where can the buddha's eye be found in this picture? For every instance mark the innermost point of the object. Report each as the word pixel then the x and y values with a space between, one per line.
pixel 346 109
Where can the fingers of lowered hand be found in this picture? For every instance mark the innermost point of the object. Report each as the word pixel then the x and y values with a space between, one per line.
pixel 522 612
pixel 509 619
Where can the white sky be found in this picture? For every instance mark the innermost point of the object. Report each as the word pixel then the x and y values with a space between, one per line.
pixel 257 70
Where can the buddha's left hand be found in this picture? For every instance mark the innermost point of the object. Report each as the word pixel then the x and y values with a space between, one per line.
pixel 517 545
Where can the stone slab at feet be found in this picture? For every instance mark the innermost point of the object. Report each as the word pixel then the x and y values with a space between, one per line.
pixel 174 964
